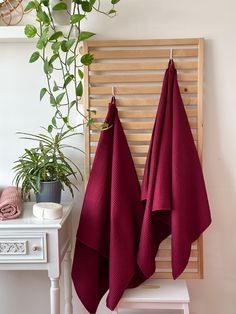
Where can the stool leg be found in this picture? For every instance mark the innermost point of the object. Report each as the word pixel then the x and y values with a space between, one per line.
pixel 186 308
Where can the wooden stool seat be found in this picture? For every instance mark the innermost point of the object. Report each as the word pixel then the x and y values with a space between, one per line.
pixel 157 294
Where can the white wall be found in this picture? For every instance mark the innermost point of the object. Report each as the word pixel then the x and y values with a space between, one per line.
pixel 20 110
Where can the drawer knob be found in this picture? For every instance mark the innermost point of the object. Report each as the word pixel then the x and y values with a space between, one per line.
pixel 35 248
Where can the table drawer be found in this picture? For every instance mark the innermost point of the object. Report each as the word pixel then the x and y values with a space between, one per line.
pixel 23 247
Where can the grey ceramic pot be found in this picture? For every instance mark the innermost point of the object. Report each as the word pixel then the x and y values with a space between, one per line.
pixel 50 191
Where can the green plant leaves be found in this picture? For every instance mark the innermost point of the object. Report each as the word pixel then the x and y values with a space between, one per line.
pixel 56 46
pixel 53 58
pixel 54 122
pixel 50 128
pixel 55 35
pixel 31 5
pixel 87 59
pixel 85 35
pixel 81 74
pixel 55 87
pixel 30 31
pixel 43 17
pixel 59 98
pixel 112 12
pixel 76 18
pixel 60 6
pixel 67 44
pixel 42 92
pixel 68 80
pixel 114 1
pixel 71 60
pixel 79 89
pixel 53 101
pixel 86 6
pixel 34 57
pixel 48 68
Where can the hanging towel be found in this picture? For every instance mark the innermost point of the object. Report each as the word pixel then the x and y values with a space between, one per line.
pixel 10 203
pixel 110 222
pixel 173 187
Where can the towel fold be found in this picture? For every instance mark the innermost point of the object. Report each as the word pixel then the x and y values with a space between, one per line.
pixel 110 222
pixel 10 203
pixel 173 187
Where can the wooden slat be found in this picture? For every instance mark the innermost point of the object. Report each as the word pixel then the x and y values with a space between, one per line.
pixel 142 102
pixel 141 66
pixel 167 265
pixel 138 125
pixel 167 253
pixel 138 78
pixel 138 90
pixel 142 42
pixel 168 275
pixel 140 114
pixel 143 54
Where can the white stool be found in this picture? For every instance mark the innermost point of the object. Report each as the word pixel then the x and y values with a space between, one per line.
pixel 158 294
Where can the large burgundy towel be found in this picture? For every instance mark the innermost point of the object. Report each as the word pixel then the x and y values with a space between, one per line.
pixel 110 222
pixel 10 203
pixel 173 186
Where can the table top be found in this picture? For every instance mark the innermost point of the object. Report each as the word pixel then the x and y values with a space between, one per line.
pixel 154 290
pixel 28 220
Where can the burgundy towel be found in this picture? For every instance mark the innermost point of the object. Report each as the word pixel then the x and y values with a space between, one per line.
pixel 173 186
pixel 110 222
pixel 10 203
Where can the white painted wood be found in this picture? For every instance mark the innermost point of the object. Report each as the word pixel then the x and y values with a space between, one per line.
pixel 157 294
pixel 67 283
pixel 29 243
pixel 55 296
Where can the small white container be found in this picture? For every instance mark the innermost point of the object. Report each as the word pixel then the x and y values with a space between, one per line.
pixel 47 210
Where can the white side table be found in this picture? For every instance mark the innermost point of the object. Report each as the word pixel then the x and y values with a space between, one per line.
pixel 27 243
pixel 157 294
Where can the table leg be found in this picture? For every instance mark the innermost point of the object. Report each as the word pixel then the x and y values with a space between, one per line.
pixel 55 296
pixel 186 308
pixel 67 283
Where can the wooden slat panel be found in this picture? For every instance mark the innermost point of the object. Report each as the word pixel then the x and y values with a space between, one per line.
pixel 144 54
pixel 141 66
pixel 138 78
pixel 140 90
pixel 142 42
pixel 137 107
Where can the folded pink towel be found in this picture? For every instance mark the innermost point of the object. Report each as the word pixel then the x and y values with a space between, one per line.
pixel 10 203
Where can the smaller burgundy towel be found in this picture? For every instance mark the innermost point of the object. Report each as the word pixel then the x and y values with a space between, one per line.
pixel 173 188
pixel 110 222
pixel 10 203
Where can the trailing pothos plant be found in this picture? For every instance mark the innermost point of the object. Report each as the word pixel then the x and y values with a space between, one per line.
pixel 57 48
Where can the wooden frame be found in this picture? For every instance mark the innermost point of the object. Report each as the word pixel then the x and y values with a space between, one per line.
pixel 134 69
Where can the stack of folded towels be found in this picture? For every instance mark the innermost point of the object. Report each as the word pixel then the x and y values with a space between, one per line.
pixel 10 203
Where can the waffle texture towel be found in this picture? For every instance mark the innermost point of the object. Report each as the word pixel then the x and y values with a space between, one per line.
pixel 10 203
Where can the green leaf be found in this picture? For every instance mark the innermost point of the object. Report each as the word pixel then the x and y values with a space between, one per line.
pixel 112 12
pixel 67 44
pixel 56 35
pixel 54 122
pixel 45 3
pixel 40 15
pixel 50 128
pixel 65 119
pixel 40 43
pixel 68 80
pixel 87 59
pixel 55 87
pixel 52 101
pixel 92 2
pixel 31 5
pixel 59 98
pixel 70 60
pixel 90 121
pixel 77 1
pixel 72 103
pixel 81 74
pixel 79 89
pixel 30 31
pixel 56 46
pixel 53 58
pixel 85 35
pixel 60 6
pixel 46 19
pixel 48 69
pixel 76 18
pixel 34 57
pixel 86 7
pixel 114 1
pixel 43 92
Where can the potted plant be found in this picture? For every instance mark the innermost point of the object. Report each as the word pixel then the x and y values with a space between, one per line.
pixel 57 48
pixel 45 169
